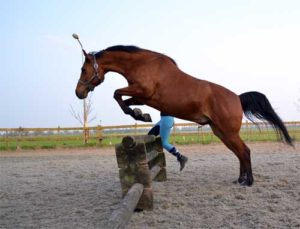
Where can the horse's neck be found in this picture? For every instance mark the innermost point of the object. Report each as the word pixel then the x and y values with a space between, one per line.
pixel 117 62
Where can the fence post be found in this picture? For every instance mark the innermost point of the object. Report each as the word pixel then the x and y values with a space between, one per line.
pixel 174 133
pixel 198 133
pixel 202 135
pixel 247 130
pixel 86 134
pixel 99 133
pixel 251 127
pixel 211 136
pixel 135 129
pixel 269 136
pixel 58 133
pixel 19 138
pixel 6 138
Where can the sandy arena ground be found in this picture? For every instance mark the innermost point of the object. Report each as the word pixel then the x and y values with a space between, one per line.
pixel 80 189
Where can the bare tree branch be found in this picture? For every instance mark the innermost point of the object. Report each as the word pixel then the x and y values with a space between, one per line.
pixel 77 116
pixel 83 118
pixel 92 119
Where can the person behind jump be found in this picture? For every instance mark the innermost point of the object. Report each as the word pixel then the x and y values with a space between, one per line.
pixel 163 128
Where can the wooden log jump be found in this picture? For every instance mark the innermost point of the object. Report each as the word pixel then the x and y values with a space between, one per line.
pixel 140 160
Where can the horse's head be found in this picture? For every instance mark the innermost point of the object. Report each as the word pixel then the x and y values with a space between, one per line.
pixel 91 75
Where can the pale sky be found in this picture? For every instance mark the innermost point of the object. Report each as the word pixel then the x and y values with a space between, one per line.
pixel 242 45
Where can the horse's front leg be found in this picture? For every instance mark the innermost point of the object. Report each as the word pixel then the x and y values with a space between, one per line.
pixel 132 102
pixel 124 104
pixel 137 112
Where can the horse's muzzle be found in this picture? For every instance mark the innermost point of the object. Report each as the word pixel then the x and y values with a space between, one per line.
pixel 81 94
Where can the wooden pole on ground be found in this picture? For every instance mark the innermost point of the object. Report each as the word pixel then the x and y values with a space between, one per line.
pixel 122 214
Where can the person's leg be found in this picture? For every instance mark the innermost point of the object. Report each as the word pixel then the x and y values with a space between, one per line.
pixel 166 124
pixel 155 129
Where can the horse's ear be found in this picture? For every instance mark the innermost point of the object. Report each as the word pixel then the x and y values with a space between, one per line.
pixel 88 57
pixel 84 53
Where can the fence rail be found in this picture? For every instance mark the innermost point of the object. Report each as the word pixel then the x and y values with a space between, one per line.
pixel 11 138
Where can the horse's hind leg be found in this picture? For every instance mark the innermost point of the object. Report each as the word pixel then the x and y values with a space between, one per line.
pixel 239 148
pixel 236 144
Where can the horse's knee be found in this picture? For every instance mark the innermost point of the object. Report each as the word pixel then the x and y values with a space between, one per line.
pixel 117 96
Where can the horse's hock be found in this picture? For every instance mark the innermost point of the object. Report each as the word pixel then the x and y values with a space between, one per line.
pixel 140 160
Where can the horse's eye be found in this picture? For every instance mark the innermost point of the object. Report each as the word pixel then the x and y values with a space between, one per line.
pixel 83 70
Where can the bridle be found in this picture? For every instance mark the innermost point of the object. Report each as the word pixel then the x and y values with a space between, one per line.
pixel 89 83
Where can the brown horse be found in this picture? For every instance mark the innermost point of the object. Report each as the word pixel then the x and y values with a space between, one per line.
pixel 155 80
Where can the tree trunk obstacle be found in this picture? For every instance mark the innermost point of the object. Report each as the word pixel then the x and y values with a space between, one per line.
pixel 140 160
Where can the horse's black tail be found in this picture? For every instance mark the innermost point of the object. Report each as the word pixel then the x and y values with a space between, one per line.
pixel 256 105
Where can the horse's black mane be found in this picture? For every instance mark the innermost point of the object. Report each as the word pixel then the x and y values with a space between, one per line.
pixel 125 48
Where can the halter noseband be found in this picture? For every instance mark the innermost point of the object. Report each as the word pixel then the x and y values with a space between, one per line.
pixel 96 74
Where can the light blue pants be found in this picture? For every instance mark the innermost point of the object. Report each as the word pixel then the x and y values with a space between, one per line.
pixel 164 126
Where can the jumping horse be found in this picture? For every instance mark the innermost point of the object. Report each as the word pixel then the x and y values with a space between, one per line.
pixel 154 79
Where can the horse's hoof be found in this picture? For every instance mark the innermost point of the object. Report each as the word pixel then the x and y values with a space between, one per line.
pixel 147 118
pixel 138 210
pixel 242 179
pixel 137 112
pixel 245 181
